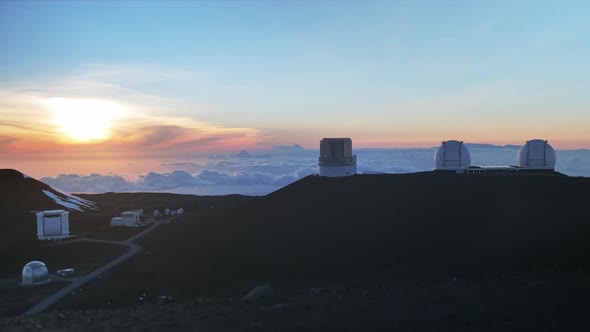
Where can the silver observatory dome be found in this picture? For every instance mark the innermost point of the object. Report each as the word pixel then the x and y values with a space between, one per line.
pixel 35 273
pixel 537 154
pixel 452 155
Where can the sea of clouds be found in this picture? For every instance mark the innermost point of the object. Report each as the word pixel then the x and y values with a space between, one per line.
pixel 262 172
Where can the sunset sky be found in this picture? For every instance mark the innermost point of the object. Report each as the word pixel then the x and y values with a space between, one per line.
pixel 151 80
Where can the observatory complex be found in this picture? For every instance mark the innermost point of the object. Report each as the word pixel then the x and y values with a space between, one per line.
pixel 535 156
pixel 336 158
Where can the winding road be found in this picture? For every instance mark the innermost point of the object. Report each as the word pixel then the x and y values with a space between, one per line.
pixel 78 282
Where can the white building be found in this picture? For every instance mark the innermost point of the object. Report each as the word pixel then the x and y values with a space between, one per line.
pixel 35 273
pixel 117 221
pixel 53 224
pixel 336 158
pixel 127 218
pixel 452 155
pixel 537 154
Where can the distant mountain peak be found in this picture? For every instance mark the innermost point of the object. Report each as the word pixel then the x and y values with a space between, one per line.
pixel 490 146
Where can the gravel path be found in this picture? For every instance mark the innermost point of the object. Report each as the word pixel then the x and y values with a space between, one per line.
pixel 78 282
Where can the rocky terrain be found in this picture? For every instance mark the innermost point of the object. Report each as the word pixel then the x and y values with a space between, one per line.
pixel 549 301
pixel 424 251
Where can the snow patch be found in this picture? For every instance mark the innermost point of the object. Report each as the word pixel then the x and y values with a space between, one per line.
pixel 72 200
pixel 61 202
pixel 80 201
pixel 77 200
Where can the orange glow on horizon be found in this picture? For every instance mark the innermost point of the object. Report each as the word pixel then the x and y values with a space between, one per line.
pixel 94 129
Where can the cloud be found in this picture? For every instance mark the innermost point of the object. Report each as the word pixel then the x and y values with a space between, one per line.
pixel 169 137
pixel 245 175
pixel 176 181
pixel 4 140
pixel 130 74
pixel 243 172
pixel 93 183
pixel 291 148
pixel 143 123
pixel 246 154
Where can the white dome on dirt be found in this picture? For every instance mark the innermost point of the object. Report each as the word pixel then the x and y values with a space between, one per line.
pixel 537 154
pixel 35 273
pixel 452 155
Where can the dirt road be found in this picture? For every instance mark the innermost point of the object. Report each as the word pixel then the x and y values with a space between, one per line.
pixel 78 282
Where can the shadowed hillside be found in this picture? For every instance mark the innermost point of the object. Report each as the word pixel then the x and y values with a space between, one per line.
pixel 115 203
pixel 20 193
pixel 414 224
pixel 20 197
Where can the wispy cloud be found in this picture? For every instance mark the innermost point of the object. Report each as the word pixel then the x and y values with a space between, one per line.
pixel 34 118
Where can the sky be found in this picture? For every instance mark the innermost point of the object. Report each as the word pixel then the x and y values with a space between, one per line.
pixel 124 87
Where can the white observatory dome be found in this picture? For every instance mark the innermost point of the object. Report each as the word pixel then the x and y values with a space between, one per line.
pixel 452 155
pixel 35 273
pixel 537 154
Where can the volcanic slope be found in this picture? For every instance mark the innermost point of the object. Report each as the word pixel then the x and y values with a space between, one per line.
pixel 21 193
pixel 416 224
pixel 20 196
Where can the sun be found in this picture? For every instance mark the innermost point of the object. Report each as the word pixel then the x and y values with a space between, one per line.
pixel 84 120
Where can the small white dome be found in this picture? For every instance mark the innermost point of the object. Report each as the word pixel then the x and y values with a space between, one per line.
pixel 452 155
pixel 35 273
pixel 537 153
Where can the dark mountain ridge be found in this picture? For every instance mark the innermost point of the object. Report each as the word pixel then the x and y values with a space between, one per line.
pixel 388 219
pixel 415 224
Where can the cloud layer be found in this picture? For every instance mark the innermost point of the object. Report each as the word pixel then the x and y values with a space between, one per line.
pixel 261 172
pixel 204 182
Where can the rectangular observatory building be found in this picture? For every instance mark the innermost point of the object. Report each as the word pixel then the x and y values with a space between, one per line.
pixel 336 158
pixel 53 224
